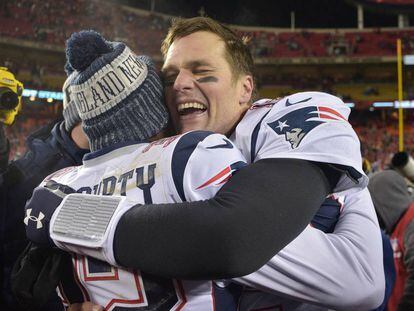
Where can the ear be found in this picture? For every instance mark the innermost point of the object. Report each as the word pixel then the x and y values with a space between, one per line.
pixel 246 90
pixel 79 137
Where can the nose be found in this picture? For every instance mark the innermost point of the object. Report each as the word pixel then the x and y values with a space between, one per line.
pixel 184 81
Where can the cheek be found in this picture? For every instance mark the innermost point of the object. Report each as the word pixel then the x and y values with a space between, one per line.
pixel 230 104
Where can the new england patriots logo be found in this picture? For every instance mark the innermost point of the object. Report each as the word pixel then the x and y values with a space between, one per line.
pixel 297 124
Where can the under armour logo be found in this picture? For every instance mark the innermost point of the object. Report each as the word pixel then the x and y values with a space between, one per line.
pixel 33 218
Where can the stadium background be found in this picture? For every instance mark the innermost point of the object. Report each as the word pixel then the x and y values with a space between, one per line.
pixel 344 47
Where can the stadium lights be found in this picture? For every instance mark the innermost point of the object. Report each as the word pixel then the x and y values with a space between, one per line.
pixel 50 96
pixel 405 104
pixel 382 104
pixel 408 59
pixel 43 94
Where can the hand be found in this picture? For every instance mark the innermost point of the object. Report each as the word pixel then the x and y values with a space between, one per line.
pixel 86 306
pixel 36 274
pixel 327 215
pixel 38 212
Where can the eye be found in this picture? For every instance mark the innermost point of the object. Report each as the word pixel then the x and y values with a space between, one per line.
pixel 200 71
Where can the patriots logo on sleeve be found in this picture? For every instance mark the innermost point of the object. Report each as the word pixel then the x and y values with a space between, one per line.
pixel 296 124
pixel 224 175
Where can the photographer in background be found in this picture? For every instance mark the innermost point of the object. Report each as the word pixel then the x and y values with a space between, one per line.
pixel 11 91
pixel 59 144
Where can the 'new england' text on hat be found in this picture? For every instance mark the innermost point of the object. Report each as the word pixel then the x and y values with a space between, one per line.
pixel 118 95
pixel 109 85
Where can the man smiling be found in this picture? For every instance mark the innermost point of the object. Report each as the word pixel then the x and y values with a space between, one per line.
pixel 205 63
pixel 198 76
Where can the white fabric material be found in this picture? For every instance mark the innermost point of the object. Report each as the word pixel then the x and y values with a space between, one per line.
pixel 342 270
pixel 332 141
pixel 204 174
pixel 316 271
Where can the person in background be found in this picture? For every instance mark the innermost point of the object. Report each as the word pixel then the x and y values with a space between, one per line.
pixel 11 91
pixel 395 209
pixel 60 144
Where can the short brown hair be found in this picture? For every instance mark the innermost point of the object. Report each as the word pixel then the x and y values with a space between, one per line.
pixel 237 53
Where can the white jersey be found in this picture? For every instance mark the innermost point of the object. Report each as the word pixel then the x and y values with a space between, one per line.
pixel 336 270
pixel 189 167
pixel 310 126
pixel 342 270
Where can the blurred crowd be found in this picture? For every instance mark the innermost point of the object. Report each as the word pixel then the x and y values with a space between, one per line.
pixel 378 132
pixel 53 22
pixel 327 43
pixel 142 30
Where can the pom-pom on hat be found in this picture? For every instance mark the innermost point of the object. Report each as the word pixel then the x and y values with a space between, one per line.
pixel 118 95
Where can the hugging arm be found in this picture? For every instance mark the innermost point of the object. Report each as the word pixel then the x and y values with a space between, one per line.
pixel 252 217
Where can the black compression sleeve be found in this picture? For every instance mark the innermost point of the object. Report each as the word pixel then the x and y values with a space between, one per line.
pixel 258 212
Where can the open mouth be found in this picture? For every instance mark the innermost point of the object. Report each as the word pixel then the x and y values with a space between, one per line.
pixel 191 108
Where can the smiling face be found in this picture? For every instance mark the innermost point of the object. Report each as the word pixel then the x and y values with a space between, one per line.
pixel 201 90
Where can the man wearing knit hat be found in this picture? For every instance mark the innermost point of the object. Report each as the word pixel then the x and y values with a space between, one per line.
pixel 55 146
pixel 118 95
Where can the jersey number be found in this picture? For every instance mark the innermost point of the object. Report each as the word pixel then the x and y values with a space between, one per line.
pixel 138 290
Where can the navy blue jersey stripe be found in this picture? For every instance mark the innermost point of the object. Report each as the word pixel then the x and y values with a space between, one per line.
pixel 327 216
pixel 352 173
pixel 227 298
pixel 255 134
pixel 235 167
pixel 182 152
pixel 53 185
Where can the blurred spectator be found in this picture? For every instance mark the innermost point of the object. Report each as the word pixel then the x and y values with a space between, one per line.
pixel 395 209
pixel 370 90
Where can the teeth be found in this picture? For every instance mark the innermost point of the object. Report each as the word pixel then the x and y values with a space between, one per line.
pixel 181 107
